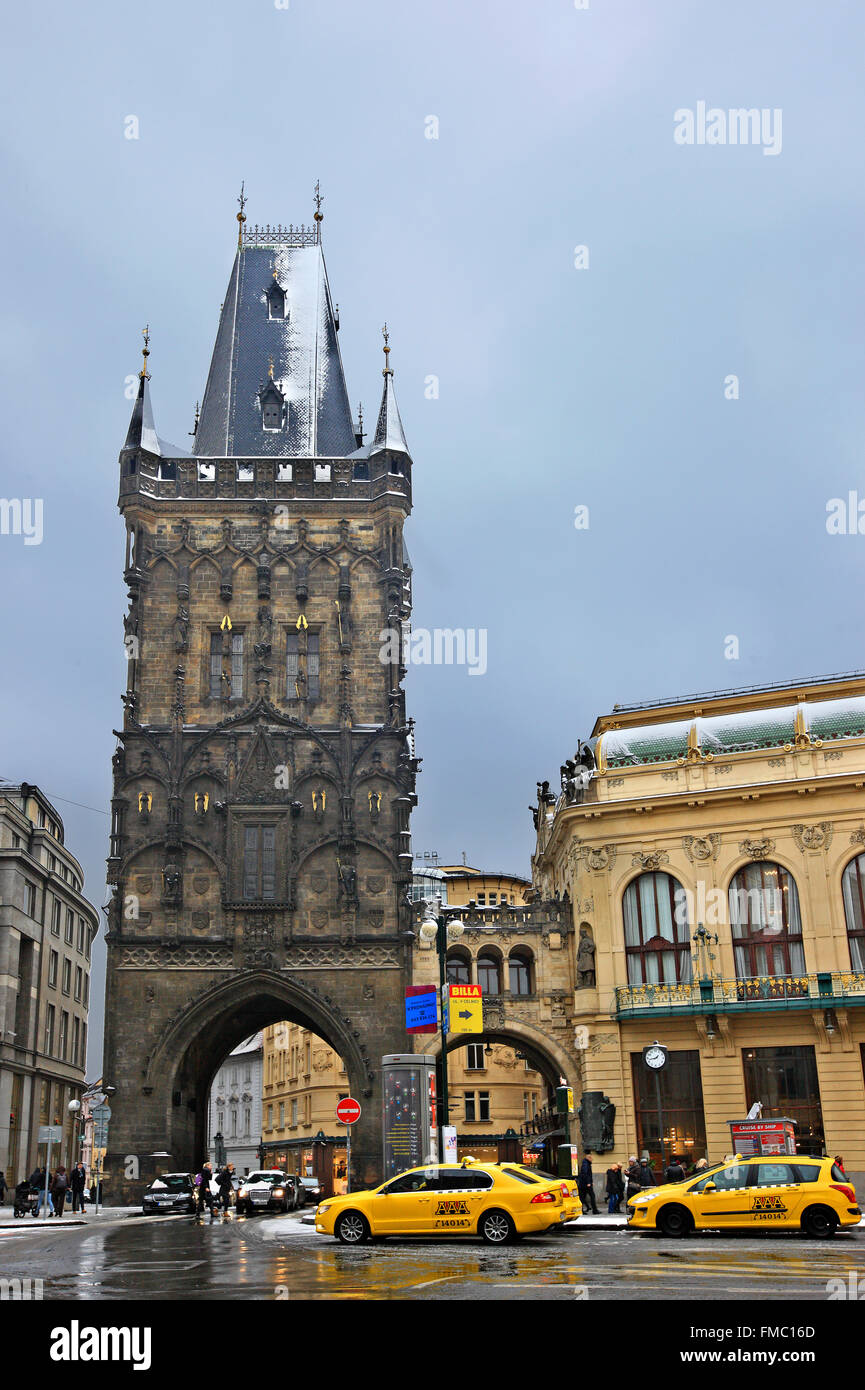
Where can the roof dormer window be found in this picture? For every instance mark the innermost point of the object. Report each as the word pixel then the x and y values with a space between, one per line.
pixel 275 302
pixel 272 406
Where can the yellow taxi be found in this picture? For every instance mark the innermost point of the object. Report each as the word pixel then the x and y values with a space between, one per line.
pixel 497 1201
pixel 798 1193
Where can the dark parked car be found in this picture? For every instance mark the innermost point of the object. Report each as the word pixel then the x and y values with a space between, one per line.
pixel 170 1192
pixel 313 1190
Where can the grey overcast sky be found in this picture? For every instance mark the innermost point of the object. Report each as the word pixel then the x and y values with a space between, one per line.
pixel 559 387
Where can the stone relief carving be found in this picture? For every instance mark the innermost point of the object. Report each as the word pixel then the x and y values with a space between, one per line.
pixel 757 849
pixel 813 837
pixel 701 847
pixel 650 862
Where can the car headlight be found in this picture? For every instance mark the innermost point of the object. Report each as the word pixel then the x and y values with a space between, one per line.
pixel 244 1192
pixel 325 1206
pixel 639 1202
pixel 279 1192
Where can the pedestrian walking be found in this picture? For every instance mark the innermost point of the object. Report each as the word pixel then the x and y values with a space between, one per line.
pixel 647 1176
pixel 615 1188
pixel 3 1186
pixel 59 1188
pixel 202 1183
pixel 586 1184
pixel 675 1171
pixel 77 1184
pixel 633 1178
pixel 223 1179
pixel 37 1181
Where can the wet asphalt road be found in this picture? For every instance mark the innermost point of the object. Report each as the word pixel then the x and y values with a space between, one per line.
pixel 267 1259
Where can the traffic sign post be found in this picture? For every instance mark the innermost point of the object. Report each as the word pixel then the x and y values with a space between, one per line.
pixel 348 1113
pixel 48 1135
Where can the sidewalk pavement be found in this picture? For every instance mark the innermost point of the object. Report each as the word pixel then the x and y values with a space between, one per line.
pixel 90 1214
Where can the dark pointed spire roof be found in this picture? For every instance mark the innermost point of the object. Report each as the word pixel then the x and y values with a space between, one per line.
pixel 303 344
pixel 142 430
pixel 389 433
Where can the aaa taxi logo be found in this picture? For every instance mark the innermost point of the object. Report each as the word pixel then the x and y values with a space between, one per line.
pixel 451 1209
pixel 768 1203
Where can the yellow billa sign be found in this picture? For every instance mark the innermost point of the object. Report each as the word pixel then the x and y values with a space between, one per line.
pixel 466 1009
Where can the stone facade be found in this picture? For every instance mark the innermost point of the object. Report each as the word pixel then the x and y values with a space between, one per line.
pixel 264 773
pixel 47 928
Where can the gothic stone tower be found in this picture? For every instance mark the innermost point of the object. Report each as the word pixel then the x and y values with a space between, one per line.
pixel 264 776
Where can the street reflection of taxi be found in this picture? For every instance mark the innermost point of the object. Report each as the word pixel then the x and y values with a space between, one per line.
pixel 497 1201
pixel 811 1195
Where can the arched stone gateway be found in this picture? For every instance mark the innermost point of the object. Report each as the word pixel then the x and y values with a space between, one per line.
pixel 264 777
pixel 176 1077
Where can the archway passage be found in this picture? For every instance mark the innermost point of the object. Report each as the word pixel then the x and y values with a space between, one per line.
pixel 273 1104
pixel 160 1116
pixel 537 1138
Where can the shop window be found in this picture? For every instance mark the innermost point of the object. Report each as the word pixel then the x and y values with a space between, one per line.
pixel 681 1106
pixel 784 1080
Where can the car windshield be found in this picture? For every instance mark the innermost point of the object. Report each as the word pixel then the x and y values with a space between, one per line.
pixel 272 1178
pixel 171 1182
pixel 310 1182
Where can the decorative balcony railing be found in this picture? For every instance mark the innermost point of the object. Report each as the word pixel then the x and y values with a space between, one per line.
pixel 822 989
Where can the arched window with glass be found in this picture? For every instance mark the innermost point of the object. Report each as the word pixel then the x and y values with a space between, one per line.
pixel 520 970
pixel 765 921
pixel 489 972
pixel 853 892
pixel 657 931
pixel 459 967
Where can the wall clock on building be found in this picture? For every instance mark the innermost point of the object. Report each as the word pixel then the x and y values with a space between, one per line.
pixel 655 1056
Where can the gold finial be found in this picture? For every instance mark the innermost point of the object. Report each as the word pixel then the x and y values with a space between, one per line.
pixel 270 369
pixel 145 352
pixel 388 371
pixel 241 216
pixel 318 215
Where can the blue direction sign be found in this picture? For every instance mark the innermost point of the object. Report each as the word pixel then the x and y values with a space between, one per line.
pixel 420 1011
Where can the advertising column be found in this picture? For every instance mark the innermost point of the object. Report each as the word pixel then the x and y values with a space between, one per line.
pixel 409 1090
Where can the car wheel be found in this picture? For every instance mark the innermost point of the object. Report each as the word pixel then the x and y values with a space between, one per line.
pixel 352 1228
pixel 674 1221
pixel 820 1223
pixel 497 1228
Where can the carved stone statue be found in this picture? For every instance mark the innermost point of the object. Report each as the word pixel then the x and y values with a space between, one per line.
pixel 597 1116
pixel 585 959
pixel 348 881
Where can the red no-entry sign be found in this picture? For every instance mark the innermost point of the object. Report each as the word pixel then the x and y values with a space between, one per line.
pixel 348 1111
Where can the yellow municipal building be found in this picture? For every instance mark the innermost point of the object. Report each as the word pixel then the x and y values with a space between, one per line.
pixel 712 850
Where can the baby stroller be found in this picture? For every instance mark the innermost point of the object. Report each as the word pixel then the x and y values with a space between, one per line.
pixel 26 1200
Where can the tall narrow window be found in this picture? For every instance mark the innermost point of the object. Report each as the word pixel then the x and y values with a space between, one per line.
pixel 292 665
pixel 215 665
pixel 237 665
pixel 657 938
pixel 259 862
pixel 853 892
pixel 313 666
pixel 766 925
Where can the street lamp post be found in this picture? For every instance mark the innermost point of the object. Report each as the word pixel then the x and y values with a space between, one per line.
pixel 438 927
